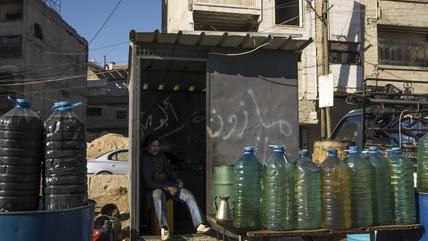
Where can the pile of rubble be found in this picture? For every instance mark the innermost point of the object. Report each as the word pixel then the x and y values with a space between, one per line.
pixel 106 143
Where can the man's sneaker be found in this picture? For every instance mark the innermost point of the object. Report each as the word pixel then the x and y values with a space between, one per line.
pixel 164 234
pixel 202 228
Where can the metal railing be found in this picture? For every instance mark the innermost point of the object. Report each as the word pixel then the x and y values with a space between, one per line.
pixel 403 53
pixel 235 3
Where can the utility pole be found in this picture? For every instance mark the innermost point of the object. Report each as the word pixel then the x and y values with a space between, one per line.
pixel 324 67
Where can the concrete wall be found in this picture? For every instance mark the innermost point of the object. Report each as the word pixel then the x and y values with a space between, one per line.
pixel 176 16
pixel 59 59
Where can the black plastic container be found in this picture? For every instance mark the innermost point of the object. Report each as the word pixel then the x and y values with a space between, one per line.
pixel 21 155
pixel 64 168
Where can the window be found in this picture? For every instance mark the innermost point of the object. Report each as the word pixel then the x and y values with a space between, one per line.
pixel 403 48
pixel 348 129
pixel 10 46
pixel 344 53
pixel 38 31
pixel 11 11
pixel 121 114
pixel 287 12
pixel 94 112
pixel 14 16
pixel 119 156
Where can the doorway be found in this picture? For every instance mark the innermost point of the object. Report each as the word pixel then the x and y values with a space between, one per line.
pixel 173 103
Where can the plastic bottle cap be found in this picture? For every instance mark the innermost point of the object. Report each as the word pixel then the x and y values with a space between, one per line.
pixel 373 149
pixel 331 152
pixel 22 103
pixel 303 152
pixel 353 150
pixel 249 149
pixel 396 149
pixel 277 148
pixel 65 105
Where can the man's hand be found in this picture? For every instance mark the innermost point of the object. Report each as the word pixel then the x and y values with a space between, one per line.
pixel 171 190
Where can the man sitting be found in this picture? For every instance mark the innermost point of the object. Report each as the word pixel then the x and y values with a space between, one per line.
pixel 162 183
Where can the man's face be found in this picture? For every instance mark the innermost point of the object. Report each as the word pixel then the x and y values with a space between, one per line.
pixel 153 148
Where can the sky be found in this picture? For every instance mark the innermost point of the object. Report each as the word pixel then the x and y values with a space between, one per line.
pixel 87 17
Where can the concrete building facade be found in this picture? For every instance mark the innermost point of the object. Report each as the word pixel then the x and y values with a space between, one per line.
pixel 378 39
pixel 42 58
pixel 396 43
pixel 290 17
pixel 107 108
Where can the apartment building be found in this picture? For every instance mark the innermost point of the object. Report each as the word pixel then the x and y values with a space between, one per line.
pixel 41 57
pixel 396 43
pixel 107 106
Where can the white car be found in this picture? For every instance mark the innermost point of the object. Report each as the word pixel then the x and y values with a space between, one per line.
pixel 113 162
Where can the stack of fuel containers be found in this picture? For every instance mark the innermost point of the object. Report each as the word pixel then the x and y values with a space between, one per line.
pixel 307 193
pixel 64 174
pixel 335 193
pixel 278 210
pixel 21 156
pixel 361 191
pixel 247 172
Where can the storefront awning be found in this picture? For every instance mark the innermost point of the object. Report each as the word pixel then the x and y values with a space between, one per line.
pixel 223 39
pixel 178 61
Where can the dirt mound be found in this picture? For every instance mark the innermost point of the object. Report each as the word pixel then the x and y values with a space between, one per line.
pixel 106 143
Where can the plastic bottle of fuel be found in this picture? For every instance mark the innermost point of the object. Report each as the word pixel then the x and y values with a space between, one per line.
pixel 64 174
pixel 361 188
pixel 307 192
pixel 335 193
pixel 402 188
pixel 263 205
pixel 247 172
pixel 381 187
pixel 422 169
pixel 21 155
pixel 279 211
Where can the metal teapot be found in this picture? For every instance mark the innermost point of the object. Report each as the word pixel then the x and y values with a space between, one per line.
pixel 223 212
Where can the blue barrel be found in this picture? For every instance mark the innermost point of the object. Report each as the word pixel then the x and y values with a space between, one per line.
pixel 423 213
pixel 358 237
pixel 49 225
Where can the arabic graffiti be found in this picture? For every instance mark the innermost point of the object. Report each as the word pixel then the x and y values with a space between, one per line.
pixel 160 117
pixel 237 124
pixel 168 115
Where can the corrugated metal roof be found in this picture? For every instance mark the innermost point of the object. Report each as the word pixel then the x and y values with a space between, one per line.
pixel 222 39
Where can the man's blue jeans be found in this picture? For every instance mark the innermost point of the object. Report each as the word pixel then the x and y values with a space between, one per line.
pixel 159 202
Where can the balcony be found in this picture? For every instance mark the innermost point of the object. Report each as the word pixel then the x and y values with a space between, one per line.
pixel 226 15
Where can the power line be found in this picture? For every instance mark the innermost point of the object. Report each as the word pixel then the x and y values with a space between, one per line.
pixel 44 81
pixel 47 98
pixel 111 45
pixel 105 22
